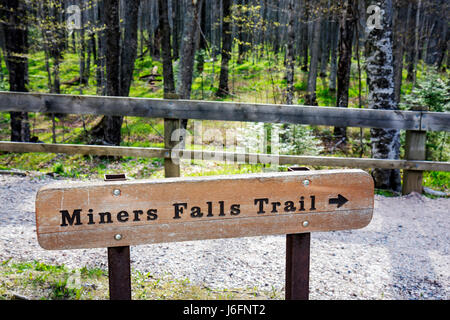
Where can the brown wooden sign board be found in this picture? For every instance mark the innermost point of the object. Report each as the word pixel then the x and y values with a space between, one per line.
pixel 123 213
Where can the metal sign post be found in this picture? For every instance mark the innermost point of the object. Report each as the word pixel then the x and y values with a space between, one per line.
pixel 119 267
pixel 297 261
pixel 297 266
pixel 119 273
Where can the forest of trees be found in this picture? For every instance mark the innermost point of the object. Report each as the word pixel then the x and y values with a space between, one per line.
pixel 379 40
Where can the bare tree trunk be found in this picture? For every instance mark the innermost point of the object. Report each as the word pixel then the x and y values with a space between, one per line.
pixel 216 28
pixel 176 17
pixel 437 41
pixel 325 42
pixel 380 80
pixel 399 44
pixel 223 89
pixel 276 26
pixel 53 43
pixel 166 50
pixel 43 16
pixel 240 32
pixel 112 24
pixel 92 41
pixel 346 29
pixel 263 27
pixel 74 42
pixel 14 22
pixel 82 40
pixel 334 60
pixel 101 44
pixel 129 45
pixel 113 124
pixel 108 131
pixel 202 45
pixel 57 43
pixel 171 168
pixel 290 54
pixel 187 57
pixel 416 43
pixel 2 75
pixel 304 34
pixel 310 97
pixel 410 39
pixel 186 64
pixel 119 62
pixel 47 63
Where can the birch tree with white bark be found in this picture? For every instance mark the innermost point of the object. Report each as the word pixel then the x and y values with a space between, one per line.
pixel 380 79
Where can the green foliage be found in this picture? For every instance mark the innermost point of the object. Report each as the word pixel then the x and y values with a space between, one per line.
pixel 438 146
pixel 58 168
pixel 298 140
pixel 37 280
pixel 3 85
pixel 437 180
pixel 92 272
pixel 206 168
pixel 258 77
pixel 432 92
pixel 60 290
pixel 385 193
pixel 325 97
pixel 300 86
pixel 57 278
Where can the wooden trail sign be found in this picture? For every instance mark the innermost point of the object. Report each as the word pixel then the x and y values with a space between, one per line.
pixel 124 213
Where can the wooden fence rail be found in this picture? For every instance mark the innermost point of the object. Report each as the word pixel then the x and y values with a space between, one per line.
pixel 416 123
pixel 232 157
pixel 224 111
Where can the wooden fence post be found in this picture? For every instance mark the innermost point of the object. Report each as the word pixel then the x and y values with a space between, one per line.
pixel 171 169
pixel 415 149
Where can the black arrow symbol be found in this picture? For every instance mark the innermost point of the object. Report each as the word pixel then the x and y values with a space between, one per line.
pixel 340 200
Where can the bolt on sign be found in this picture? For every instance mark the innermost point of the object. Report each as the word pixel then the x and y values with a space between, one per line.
pixel 124 213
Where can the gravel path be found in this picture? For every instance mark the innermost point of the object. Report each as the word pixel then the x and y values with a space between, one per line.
pixel 404 253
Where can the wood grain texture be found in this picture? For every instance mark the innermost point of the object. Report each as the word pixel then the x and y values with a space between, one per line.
pixel 82 149
pixel 171 169
pixel 435 121
pixel 201 208
pixel 223 111
pixel 415 149
pixel 360 163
